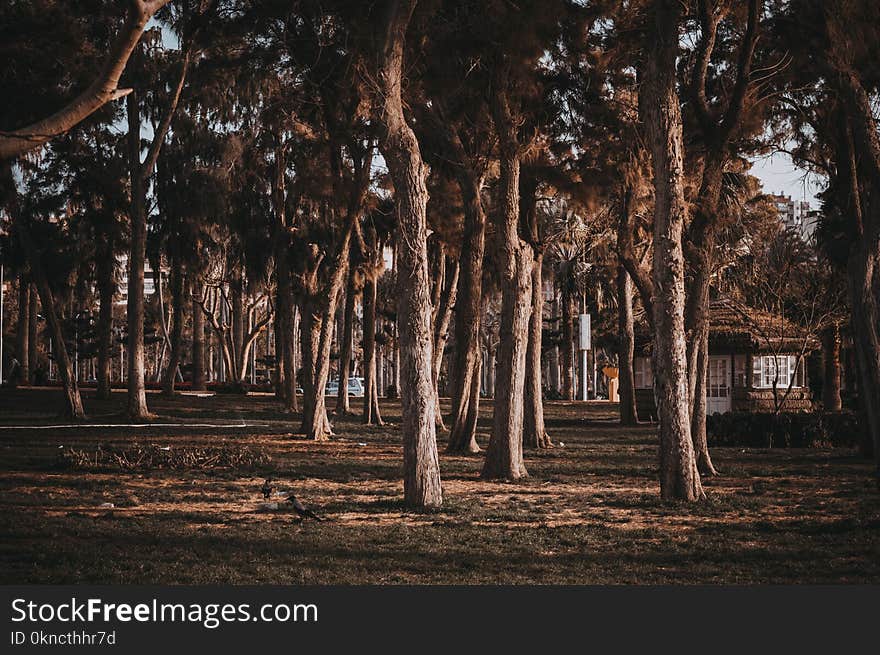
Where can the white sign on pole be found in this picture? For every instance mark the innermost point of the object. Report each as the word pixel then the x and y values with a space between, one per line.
pixel 584 332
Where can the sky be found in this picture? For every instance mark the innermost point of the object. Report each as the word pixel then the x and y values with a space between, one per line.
pixel 778 173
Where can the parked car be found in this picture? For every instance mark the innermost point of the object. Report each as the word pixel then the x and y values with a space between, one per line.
pixel 355 387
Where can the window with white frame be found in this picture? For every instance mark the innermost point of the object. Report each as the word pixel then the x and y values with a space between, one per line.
pixel 643 377
pixel 781 369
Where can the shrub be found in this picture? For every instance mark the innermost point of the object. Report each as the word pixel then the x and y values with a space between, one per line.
pixel 240 388
pixel 785 430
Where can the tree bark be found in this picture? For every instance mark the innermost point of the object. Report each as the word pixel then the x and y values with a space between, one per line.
pixel 442 317
pixel 401 151
pixel 568 382
pixel 314 421
pixel 716 134
pixel 198 336
pixel 177 302
pixel 467 358
pixel 862 151
pixel 659 103
pixel 504 455
pixel 139 174
pixel 371 396
pixel 699 404
pixel 285 343
pixel 73 402
pixel 342 402
pixel 137 395
pixel 831 366
pixel 700 243
pixel 626 348
pixel 239 356
pixel 534 431
pixel 317 333
pixel 285 339
pixel 33 335
pixel 863 265
pixel 22 329
pixel 106 264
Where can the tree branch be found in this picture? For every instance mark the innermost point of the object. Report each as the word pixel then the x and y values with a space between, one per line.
pixel 743 71
pixel 101 91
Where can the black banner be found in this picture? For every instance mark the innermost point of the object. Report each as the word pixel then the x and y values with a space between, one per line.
pixel 617 619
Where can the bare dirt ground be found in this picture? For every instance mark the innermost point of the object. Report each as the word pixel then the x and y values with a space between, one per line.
pixel 589 512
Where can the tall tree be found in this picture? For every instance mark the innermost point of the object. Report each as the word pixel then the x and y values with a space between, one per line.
pixel 504 457
pixel 38 259
pixel 140 173
pixel 534 430
pixel 400 148
pixel 661 112
pixel 720 115
pixel 828 94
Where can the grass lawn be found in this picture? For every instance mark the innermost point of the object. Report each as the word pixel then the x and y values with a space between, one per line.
pixel 589 512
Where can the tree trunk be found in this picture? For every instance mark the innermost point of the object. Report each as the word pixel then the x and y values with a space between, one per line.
pixel 342 403
pixel 831 366
pixel 443 315
pixel 467 358
pixel 626 348
pixel 177 301
pixel 700 243
pixel 421 482
pixel 285 339
pixel 504 455
pixel 317 332
pixel 568 384
pixel 73 402
pixel 23 330
pixel 310 334
pixel 137 395
pixel 237 345
pixel 106 282
pixel 33 336
pixel 863 265
pixel 535 433
pixel 285 343
pixel 491 363
pixel 659 103
pixel 371 395
pixel 198 337
pixel 699 406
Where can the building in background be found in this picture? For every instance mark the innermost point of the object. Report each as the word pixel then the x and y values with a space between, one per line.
pixel 149 279
pixel 796 214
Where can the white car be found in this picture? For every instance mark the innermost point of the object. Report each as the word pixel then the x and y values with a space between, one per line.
pixel 355 388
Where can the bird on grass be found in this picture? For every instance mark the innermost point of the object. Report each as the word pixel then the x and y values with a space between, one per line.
pixel 267 488
pixel 302 511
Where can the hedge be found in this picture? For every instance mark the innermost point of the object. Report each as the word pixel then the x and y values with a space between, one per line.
pixel 785 430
